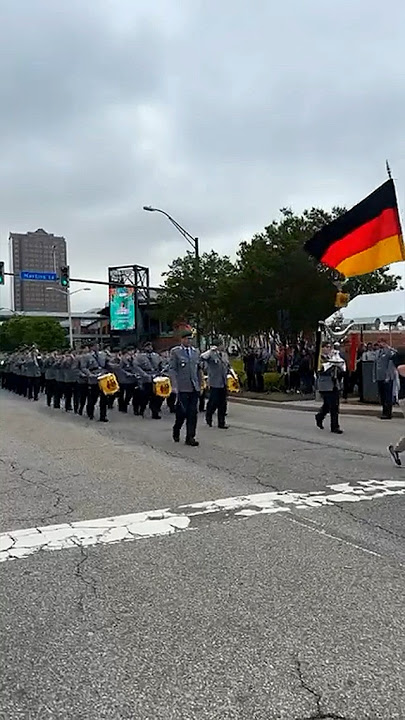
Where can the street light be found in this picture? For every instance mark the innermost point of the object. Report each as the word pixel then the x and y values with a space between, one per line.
pixel 193 241
pixel 68 294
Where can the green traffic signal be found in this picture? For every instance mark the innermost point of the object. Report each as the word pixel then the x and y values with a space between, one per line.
pixel 1 273
pixel 64 276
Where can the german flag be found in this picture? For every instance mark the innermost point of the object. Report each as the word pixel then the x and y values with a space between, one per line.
pixel 365 238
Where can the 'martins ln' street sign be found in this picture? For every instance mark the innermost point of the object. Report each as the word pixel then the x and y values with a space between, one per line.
pixel 46 276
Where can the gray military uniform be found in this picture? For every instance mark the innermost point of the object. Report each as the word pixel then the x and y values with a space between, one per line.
pixel 184 368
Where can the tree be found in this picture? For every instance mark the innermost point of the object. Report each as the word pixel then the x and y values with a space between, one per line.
pixel 21 330
pixel 374 282
pixel 277 286
pixel 192 291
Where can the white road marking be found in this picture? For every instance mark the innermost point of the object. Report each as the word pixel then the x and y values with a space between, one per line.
pixel 17 544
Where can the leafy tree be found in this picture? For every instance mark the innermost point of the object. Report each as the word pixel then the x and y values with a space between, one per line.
pixel 20 330
pixel 375 282
pixel 192 291
pixel 277 286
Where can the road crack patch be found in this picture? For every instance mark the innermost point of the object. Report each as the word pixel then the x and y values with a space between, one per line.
pixel 89 584
pixel 317 697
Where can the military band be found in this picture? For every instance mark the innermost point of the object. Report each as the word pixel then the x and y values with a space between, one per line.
pixel 80 381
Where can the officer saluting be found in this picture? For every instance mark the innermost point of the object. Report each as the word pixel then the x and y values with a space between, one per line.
pixel 218 367
pixel 185 371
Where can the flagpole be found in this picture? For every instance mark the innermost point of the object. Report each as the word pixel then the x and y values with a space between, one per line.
pixel 387 165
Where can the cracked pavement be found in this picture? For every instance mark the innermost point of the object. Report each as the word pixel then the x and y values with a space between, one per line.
pixel 285 616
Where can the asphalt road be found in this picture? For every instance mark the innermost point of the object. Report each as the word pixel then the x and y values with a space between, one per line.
pixel 291 615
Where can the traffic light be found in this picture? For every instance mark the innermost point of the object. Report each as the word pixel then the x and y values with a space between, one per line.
pixel 1 273
pixel 64 276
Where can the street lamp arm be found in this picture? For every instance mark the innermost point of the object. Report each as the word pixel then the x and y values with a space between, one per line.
pixel 187 236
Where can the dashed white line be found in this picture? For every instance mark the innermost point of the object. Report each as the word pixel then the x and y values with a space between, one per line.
pixel 18 544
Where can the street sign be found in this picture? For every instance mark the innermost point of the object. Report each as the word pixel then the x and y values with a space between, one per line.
pixel 45 276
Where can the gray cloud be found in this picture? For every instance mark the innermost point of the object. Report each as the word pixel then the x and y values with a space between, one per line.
pixel 218 112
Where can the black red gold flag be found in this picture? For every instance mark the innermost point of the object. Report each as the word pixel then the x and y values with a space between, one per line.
pixel 365 238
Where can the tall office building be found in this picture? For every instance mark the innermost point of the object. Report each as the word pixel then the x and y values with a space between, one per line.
pixel 37 251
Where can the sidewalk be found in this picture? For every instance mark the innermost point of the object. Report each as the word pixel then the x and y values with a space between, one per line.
pixel 352 407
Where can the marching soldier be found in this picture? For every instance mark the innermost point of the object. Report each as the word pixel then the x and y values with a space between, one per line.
pixel 33 373
pixel 217 363
pixel 186 373
pixel 49 377
pixel 329 385
pixel 59 381
pixel 81 389
pixel 95 364
pixel 68 379
pixel 150 364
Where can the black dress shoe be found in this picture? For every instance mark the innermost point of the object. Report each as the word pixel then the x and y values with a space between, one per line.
pixel 337 431
pixel 223 427
pixel 176 436
pixel 103 419
pixel 156 417
pixel 318 421
pixel 208 421
pixel 192 442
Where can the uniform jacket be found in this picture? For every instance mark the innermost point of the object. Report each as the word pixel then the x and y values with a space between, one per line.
pixel 217 367
pixel 92 366
pixel 384 368
pixel 185 369
pixel 49 369
pixel 58 369
pixel 32 366
pixel 150 363
pixel 68 369
pixel 330 376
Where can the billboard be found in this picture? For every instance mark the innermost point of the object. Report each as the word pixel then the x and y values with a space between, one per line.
pixel 122 308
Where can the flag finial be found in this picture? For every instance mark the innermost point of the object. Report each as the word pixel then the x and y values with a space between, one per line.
pixel 387 165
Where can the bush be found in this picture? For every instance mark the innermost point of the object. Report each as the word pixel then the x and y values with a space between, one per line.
pixel 237 365
pixel 274 382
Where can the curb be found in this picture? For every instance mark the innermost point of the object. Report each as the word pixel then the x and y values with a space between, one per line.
pixel 344 409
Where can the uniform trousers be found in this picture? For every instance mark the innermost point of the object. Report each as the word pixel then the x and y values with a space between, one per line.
pixel 57 393
pixel 186 410
pixel 125 396
pixel 385 392
pixel 33 387
pixel 80 393
pixel 68 394
pixel 217 401
pixel 94 393
pixel 331 406
pixel 49 390
pixel 148 396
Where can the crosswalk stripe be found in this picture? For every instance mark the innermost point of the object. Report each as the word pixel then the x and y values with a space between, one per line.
pixel 18 544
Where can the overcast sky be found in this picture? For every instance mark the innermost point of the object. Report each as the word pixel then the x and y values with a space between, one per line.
pixel 218 111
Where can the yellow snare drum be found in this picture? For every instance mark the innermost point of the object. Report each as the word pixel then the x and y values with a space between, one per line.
pixel 162 386
pixel 108 384
pixel 232 383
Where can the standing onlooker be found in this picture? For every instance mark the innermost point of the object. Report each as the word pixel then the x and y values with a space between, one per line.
pixel 260 368
pixel 306 373
pixel 249 360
